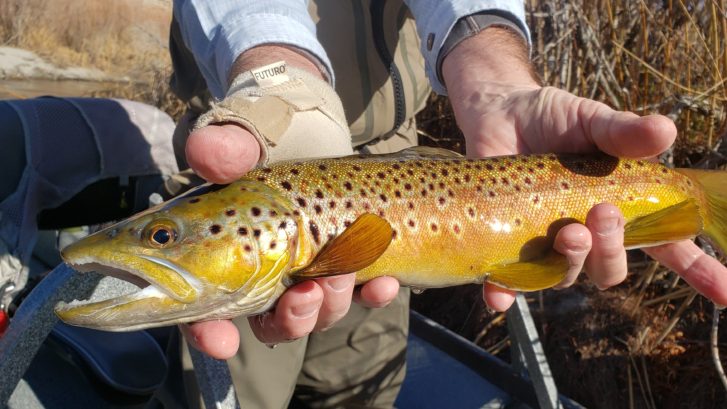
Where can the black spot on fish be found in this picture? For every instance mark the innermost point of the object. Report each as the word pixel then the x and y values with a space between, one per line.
pixel 215 228
pixel 314 231
pixel 286 185
pixel 318 209
pixel 283 224
pixel 319 194
pixel 255 211
pixel 230 212
pixel 301 202
pixel 256 232
pixel 348 186
pixel 242 231
pixel 195 200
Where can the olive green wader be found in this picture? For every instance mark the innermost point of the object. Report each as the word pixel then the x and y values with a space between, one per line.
pixel 360 362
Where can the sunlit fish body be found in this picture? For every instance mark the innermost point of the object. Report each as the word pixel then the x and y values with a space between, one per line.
pixel 428 217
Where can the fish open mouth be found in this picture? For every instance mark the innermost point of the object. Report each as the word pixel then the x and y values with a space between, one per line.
pixel 163 289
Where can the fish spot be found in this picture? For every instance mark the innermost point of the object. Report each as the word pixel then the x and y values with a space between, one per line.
pixel 272 213
pixel 286 185
pixel 283 225
pixel 296 213
pixel 536 199
pixel 195 200
pixel 442 200
pixel 528 181
pixel 362 192
pixel 397 193
pixel 301 202
pixel 349 204
pixel 318 209
pixel 489 166
pixel 540 165
pixel 322 167
pixel 456 228
pixel 505 181
pixel 383 198
pixel 445 172
pixel 357 168
pixel 434 227
pixel 348 186
pixel 256 232
pixel 411 223
pixel 471 212
pixel 294 171
pixel 261 178
pixel 381 175
pixel 450 193
pixel 273 244
pixel 215 228
pixel 319 194
pixel 518 222
pixel 314 231
pixel 332 204
pixel 491 193
pixel 248 248
pixel 346 223
pixel 410 205
pixel 627 166
pixel 255 211
pixel 564 185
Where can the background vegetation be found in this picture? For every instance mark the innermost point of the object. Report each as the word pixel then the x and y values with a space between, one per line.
pixel 645 344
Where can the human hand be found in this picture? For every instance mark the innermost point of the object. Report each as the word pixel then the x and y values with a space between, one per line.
pixel 502 110
pixel 221 153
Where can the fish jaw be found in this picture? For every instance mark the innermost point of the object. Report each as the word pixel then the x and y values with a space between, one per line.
pixel 167 277
pixel 151 306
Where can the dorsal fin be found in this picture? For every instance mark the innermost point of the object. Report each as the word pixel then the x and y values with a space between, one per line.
pixel 364 241
pixel 425 152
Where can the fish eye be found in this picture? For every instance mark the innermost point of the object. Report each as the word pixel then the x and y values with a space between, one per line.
pixel 161 235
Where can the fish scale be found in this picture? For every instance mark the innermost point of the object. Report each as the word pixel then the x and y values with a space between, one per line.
pixel 428 217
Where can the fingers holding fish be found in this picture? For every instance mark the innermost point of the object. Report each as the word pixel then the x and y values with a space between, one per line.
pixel 606 263
pixel 337 293
pixel 573 241
pixel 218 339
pixel 222 153
pixel 704 273
pixel 294 317
pixel 377 293
pixel 498 298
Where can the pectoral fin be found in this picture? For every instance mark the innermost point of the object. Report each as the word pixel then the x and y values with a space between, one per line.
pixel 530 275
pixel 678 222
pixel 364 241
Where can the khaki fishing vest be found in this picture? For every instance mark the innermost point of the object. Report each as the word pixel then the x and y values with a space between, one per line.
pixel 374 49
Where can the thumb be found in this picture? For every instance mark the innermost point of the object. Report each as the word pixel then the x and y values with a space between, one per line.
pixel 624 133
pixel 221 153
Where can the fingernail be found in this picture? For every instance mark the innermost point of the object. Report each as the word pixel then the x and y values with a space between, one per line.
pixel 339 284
pixel 607 226
pixel 304 311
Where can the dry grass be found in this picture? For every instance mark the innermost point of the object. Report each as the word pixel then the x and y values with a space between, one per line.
pixel 117 37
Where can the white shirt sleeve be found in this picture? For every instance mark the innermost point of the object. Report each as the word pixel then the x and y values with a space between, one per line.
pixel 435 19
pixel 218 31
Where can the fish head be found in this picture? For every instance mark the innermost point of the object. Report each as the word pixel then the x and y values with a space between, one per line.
pixel 215 252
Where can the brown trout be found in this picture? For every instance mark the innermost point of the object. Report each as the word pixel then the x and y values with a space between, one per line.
pixel 428 217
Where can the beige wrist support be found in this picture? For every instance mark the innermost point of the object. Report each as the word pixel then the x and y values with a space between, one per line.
pixel 292 113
